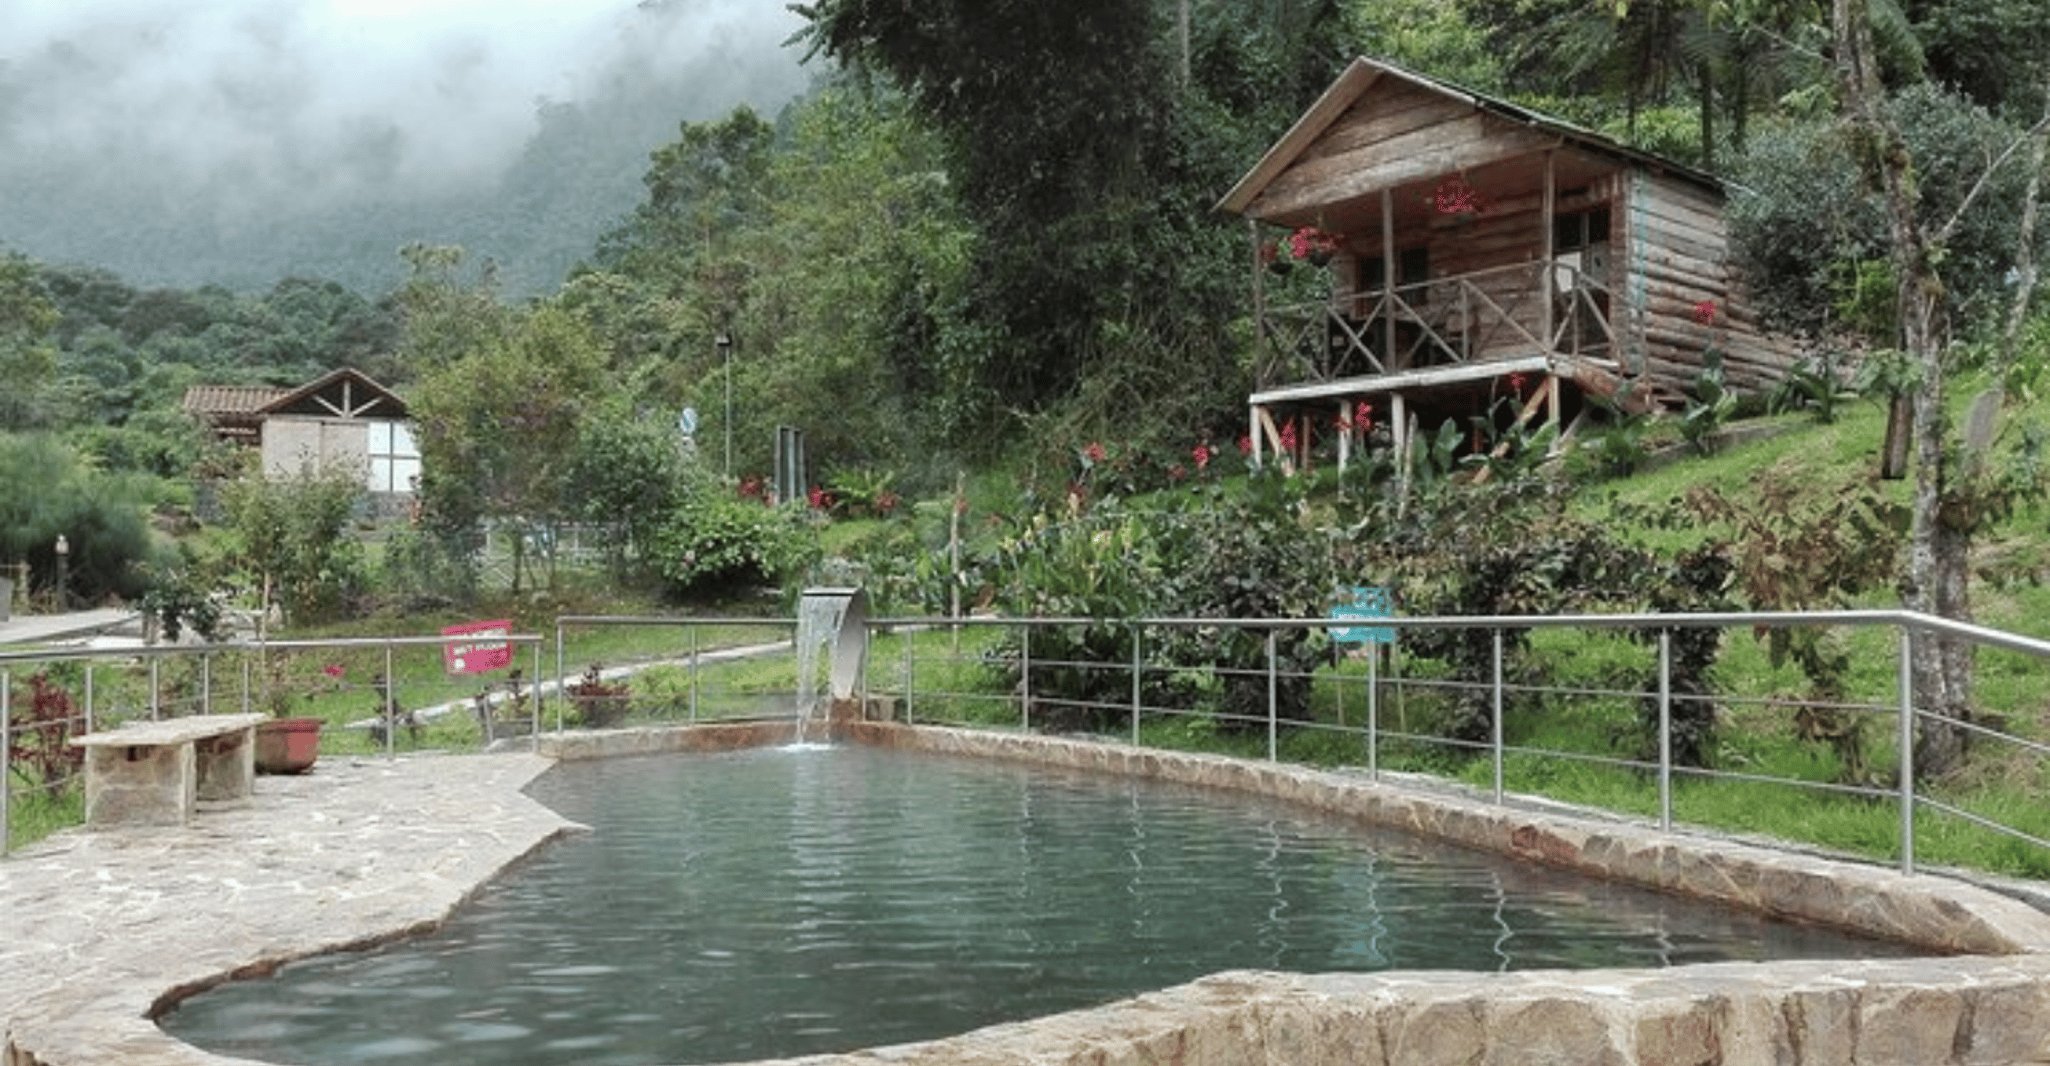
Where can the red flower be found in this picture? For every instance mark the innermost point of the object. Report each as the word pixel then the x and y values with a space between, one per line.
pixel 1201 454
pixel 1245 445
pixel 1516 383
pixel 1704 312
pixel 1364 416
pixel 1288 436
pixel 820 499
pixel 1093 452
pixel 331 670
pixel 1455 197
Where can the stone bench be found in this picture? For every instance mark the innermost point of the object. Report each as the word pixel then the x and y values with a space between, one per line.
pixel 154 773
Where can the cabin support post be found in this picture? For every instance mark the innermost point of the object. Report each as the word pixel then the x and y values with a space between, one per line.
pixel 1398 414
pixel 1388 287
pixel 1261 344
pixel 1253 419
pixel 1344 424
pixel 1547 271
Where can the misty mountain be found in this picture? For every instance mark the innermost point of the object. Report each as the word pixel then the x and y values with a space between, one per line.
pixel 240 142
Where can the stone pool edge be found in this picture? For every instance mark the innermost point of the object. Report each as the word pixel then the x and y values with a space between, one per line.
pixel 407 841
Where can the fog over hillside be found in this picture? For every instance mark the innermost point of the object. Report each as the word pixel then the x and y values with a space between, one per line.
pixel 236 142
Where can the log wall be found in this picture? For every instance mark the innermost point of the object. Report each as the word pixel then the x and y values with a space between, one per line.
pixel 1678 259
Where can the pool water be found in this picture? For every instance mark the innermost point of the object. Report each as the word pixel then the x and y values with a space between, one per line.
pixel 781 902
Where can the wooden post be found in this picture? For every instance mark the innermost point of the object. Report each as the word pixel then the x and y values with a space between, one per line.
pixel 1398 414
pixel 1550 250
pixel 1344 435
pixel 1388 285
pixel 1260 342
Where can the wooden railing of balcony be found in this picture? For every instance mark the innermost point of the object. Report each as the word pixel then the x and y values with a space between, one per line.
pixel 1484 316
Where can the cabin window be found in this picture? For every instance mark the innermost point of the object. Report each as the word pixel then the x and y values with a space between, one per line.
pixel 1413 269
pixel 394 457
pixel 1580 229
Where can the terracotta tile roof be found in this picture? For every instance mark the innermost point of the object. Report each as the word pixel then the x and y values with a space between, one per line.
pixel 213 401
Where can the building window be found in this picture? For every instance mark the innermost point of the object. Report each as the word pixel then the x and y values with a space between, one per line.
pixel 394 458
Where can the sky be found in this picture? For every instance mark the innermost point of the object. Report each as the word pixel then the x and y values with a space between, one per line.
pixel 252 107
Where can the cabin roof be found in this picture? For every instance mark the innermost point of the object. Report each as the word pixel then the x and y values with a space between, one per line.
pixel 343 393
pixel 237 410
pixel 1364 73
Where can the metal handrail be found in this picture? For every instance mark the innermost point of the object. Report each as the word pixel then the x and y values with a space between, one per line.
pixel 1910 624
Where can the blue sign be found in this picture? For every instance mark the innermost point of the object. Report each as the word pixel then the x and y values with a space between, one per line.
pixel 1365 603
pixel 687 422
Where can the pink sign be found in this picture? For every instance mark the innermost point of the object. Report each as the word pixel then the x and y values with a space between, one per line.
pixel 476 655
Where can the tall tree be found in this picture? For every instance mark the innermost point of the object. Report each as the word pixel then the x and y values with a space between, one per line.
pixel 27 359
pixel 1938 577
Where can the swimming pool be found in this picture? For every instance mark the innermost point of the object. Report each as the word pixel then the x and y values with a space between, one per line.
pixel 776 902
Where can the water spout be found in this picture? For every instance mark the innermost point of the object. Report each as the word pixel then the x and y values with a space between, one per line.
pixel 835 618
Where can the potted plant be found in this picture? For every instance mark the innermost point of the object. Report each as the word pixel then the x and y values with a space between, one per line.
pixel 599 705
pixel 509 716
pixel 1311 245
pixel 288 743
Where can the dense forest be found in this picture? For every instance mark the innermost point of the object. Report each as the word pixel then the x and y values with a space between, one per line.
pixel 987 233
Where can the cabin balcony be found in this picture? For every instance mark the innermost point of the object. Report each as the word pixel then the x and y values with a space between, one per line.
pixel 1420 351
pixel 1492 316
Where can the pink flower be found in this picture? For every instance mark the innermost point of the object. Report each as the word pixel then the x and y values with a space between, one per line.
pixel 1093 452
pixel 1201 454
pixel 820 499
pixel 1516 383
pixel 1364 416
pixel 332 670
pixel 1704 312
pixel 1288 436
pixel 1245 445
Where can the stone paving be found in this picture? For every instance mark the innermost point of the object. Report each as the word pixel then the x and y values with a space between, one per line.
pixel 101 929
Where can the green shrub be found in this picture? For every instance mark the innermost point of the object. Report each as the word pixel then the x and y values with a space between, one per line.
pixel 100 515
pixel 714 544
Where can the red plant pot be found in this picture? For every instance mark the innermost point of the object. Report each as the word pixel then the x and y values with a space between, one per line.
pixel 287 745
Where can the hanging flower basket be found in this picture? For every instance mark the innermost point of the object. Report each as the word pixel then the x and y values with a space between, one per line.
pixel 1308 245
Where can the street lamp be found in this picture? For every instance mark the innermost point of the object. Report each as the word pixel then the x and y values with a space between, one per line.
pixel 725 342
pixel 63 573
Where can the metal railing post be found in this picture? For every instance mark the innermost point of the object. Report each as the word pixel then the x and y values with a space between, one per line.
pixel 206 682
pixel 561 677
pixel 88 699
pixel 1135 686
pixel 389 712
pixel 1496 728
pixel 693 698
pixel 6 759
pixel 1907 746
pixel 534 729
pixel 1025 678
pixel 907 678
pixel 1273 702
pixel 1373 712
pixel 245 681
pixel 155 694
pixel 1666 730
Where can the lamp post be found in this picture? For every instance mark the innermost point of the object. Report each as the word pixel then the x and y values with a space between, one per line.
pixel 63 573
pixel 725 342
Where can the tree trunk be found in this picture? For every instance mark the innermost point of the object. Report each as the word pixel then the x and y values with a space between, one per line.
pixel 1940 542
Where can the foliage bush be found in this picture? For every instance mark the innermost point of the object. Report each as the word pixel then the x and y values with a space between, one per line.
pixel 101 517
pixel 715 544
pixel 1807 229
pixel 290 539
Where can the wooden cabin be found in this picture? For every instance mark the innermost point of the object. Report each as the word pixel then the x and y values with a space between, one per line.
pixel 341 419
pixel 1481 252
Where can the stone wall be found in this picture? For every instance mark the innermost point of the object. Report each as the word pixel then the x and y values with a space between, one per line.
pixel 107 929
